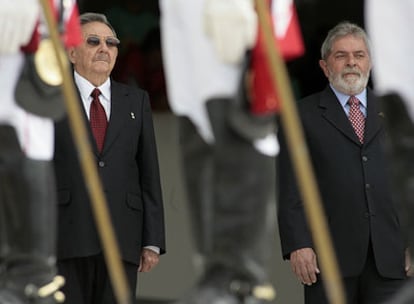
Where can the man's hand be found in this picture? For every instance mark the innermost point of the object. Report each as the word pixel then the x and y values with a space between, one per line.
pixel 149 259
pixel 304 265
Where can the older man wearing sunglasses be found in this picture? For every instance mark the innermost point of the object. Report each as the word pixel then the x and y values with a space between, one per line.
pixel 123 142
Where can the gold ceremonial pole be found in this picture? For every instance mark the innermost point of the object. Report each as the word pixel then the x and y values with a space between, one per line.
pixel 301 162
pixel 88 165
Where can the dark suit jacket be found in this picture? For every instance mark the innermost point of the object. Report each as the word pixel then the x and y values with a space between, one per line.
pixel 354 187
pixel 128 168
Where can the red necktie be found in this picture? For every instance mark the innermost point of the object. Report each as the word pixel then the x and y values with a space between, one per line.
pixel 356 118
pixel 98 119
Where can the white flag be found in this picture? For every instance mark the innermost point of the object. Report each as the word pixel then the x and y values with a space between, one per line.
pixel 390 27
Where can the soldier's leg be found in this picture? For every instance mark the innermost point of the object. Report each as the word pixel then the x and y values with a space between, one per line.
pixel 27 227
pixel 400 149
pixel 197 164
pixel 12 192
pixel 229 190
pixel 244 183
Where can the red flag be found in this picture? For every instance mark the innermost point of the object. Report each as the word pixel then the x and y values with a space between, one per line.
pixel 286 26
pixel 288 39
pixel 72 35
pixel 72 31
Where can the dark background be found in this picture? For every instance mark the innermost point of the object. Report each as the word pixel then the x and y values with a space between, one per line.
pixel 140 60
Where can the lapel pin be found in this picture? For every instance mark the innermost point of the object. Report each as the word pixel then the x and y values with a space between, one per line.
pixel 381 114
pixel 132 115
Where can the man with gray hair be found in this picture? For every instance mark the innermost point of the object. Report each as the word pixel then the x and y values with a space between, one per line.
pixel 123 143
pixel 344 129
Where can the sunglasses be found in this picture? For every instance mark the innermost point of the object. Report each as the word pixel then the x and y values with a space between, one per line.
pixel 110 41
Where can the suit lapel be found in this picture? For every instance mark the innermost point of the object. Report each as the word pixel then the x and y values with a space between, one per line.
pixel 119 114
pixel 372 123
pixel 335 114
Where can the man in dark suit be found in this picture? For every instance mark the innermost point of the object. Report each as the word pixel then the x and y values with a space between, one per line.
pixel 352 174
pixel 126 159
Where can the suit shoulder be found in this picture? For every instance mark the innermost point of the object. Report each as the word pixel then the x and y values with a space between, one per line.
pixel 372 95
pixel 128 89
pixel 310 100
pixel 131 93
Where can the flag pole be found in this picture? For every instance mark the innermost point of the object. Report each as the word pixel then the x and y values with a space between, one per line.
pixel 301 162
pixel 87 162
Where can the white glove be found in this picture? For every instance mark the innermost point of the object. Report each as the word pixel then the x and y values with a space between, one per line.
pixel 232 27
pixel 17 21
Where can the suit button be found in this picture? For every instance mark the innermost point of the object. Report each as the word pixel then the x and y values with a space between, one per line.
pixel 367 186
pixel 367 215
pixel 364 158
pixel 101 164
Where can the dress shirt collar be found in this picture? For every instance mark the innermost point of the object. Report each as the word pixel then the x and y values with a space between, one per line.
pixel 343 100
pixel 85 87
